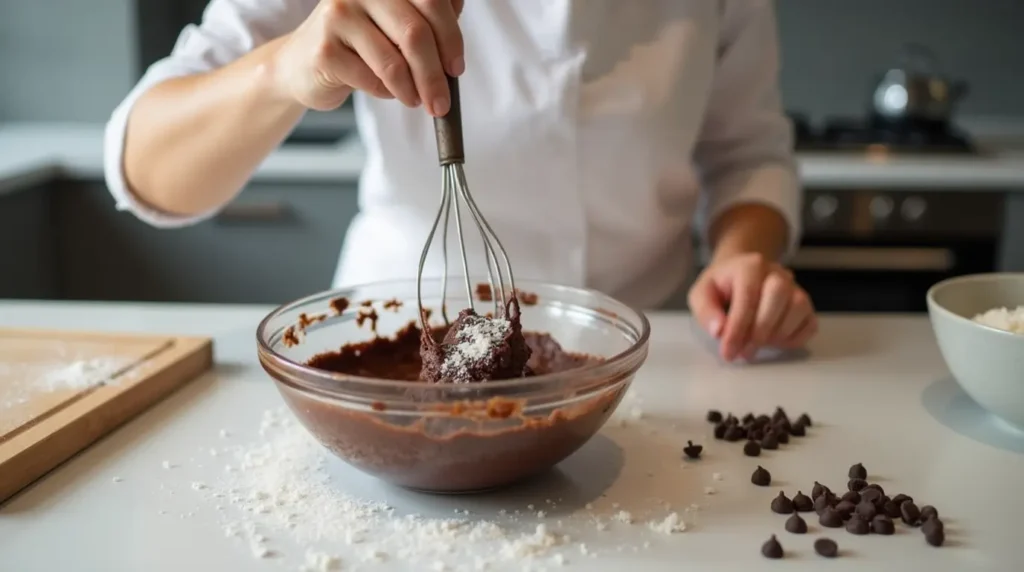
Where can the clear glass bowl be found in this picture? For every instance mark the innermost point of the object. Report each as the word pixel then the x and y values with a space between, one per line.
pixel 453 438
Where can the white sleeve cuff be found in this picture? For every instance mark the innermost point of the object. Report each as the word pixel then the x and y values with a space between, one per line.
pixel 773 185
pixel 113 156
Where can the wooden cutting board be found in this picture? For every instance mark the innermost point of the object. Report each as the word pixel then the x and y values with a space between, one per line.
pixel 62 391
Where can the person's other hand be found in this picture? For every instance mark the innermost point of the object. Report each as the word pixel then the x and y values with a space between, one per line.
pixel 747 302
pixel 389 48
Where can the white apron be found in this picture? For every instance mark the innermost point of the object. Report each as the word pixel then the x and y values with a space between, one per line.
pixel 577 153
pixel 594 129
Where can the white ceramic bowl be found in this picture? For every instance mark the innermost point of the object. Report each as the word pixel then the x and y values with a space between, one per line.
pixel 987 362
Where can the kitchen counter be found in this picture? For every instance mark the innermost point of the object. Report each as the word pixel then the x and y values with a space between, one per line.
pixel 875 387
pixel 33 152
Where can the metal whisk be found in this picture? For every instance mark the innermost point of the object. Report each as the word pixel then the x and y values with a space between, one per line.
pixel 455 192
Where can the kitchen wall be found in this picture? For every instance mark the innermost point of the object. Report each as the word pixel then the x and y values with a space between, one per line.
pixel 65 60
pixel 831 48
pixel 70 60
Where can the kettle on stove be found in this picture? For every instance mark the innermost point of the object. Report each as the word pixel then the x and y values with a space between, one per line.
pixel 915 90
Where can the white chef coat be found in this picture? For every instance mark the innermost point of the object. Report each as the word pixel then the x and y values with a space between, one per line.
pixel 595 131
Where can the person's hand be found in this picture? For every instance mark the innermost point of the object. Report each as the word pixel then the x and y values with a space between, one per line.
pixel 747 303
pixel 389 48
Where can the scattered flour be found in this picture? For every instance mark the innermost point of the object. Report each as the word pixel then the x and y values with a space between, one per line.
pixel 81 374
pixel 65 372
pixel 671 524
pixel 280 496
pixel 1010 320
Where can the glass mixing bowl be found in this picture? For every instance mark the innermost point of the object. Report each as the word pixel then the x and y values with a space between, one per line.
pixel 452 438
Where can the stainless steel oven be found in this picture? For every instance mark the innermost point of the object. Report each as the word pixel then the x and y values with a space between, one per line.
pixel 880 251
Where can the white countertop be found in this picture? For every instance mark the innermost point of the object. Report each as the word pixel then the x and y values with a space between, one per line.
pixel 33 151
pixel 876 388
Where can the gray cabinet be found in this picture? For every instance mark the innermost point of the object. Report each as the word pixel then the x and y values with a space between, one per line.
pixel 1012 252
pixel 27 263
pixel 274 243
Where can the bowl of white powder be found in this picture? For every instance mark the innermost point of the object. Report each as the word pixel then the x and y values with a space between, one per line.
pixel 978 322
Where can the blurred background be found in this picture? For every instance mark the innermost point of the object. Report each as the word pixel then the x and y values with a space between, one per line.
pixel 899 193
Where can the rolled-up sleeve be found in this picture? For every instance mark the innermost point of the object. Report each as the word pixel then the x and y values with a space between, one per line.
pixel 744 153
pixel 229 29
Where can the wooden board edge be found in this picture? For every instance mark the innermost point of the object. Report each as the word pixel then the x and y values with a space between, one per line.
pixel 35 453
pixel 87 335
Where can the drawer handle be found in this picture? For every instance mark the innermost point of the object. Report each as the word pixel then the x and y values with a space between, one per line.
pixel 253 212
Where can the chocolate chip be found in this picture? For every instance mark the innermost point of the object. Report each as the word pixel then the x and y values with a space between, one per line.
pixel 779 415
pixel 936 537
pixel 692 451
pixel 874 486
pixel 818 489
pixel 734 433
pixel 901 498
pixel 928 511
pixel 714 416
pixel 857 525
pixel 883 525
pixel 772 549
pixel 798 430
pixel 830 518
pixel 755 433
pixel 857 472
pixel 782 434
pixel 770 441
pixel 856 484
pixel 720 430
pixel 870 495
pixel 826 547
pixel 804 420
pixel 762 420
pixel 781 504
pixel 802 502
pixel 731 420
pixel 851 497
pixel 892 510
pixel 751 449
pixel 845 509
pixel 748 418
pixel 822 502
pixel 783 424
pixel 910 513
pixel 761 477
pixel 866 510
pixel 796 524
pixel 931 525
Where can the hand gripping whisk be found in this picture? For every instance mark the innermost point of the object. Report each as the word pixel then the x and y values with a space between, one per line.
pixel 455 196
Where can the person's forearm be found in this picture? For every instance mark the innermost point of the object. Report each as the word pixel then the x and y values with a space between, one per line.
pixel 749 228
pixel 193 142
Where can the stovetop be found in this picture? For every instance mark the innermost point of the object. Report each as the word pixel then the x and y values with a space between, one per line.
pixel 875 135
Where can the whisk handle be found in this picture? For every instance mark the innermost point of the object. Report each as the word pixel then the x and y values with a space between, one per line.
pixel 448 129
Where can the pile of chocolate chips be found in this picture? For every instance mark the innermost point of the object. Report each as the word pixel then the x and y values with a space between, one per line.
pixel 758 432
pixel 864 508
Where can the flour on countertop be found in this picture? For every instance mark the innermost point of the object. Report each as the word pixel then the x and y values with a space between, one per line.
pixel 277 494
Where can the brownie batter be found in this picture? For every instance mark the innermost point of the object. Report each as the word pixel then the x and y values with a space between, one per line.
pixel 400 357
pixel 477 348
pixel 462 442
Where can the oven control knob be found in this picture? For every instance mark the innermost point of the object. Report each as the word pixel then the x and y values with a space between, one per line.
pixel 913 208
pixel 824 207
pixel 881 207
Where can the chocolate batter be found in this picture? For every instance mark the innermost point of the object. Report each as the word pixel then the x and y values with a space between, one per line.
pixel 400 358
pixel 465 443
pixel 477 348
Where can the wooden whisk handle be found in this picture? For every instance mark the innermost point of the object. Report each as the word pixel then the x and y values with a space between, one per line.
pixel 448 129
